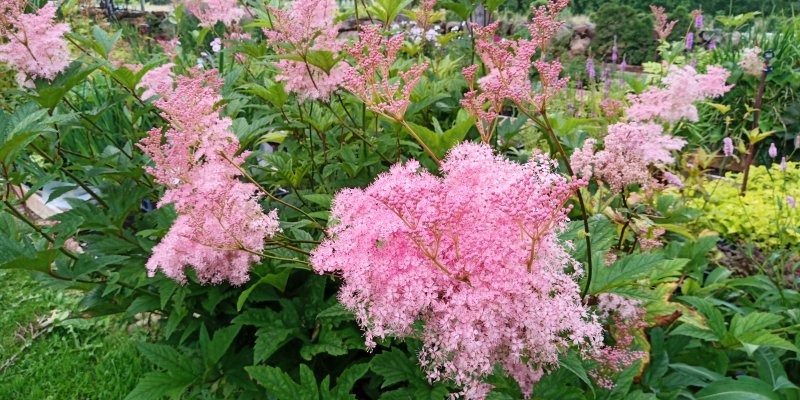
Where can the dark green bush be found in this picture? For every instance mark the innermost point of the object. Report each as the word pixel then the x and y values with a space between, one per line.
pixel 632 29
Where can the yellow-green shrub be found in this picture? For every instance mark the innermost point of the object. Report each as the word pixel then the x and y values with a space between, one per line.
pixel 763 216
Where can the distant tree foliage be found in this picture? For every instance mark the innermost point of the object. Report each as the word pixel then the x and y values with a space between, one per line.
pixel 633 31
pixel 711 7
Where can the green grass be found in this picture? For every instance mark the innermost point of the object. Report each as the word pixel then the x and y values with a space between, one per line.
pixel 74 359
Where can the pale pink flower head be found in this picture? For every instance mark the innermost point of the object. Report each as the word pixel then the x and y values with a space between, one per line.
pixel 791 202
pixel 209 12
pixel 474 255
pixel 630 149
pixel 221 226
pixel 673 179
pixel 683 87
pixel 36 46
pixel 751 61
pixel 624 317
pixel 662 26
pixel 371 80
pixel 307 26
pixel 783 164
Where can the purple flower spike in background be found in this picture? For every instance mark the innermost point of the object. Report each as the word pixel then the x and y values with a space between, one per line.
pixel 698 22
pixel 689 40
pixel 590 68
pixel 727 147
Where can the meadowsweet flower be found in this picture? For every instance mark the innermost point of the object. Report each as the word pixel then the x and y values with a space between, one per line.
pixel 629 150
pixel 209 12
pixel 36 47
pixel 220 227
pixel 415 247
pixel 370 78
pixel 727 147
pixel 157 81
pixel 662 26
pixel 773 151
pixel 624 317
pixel 611 107
pixel 675 101
pixel 751 61
pixel 307 26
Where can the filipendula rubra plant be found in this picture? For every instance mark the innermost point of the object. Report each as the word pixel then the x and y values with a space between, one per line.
pixel 221 227
pixel 474 255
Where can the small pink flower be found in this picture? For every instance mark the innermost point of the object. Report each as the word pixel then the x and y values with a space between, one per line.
pixel 216 45
pixel 791 202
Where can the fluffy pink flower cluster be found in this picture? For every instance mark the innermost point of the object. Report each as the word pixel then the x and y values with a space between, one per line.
pixel 661 25
pixel 683 87
pixel 624 317
pixel 751 61
pixel 510 63
pixel 307 26
pixel 220 223
pixel 370 79
pixel 472 254
pixel 209 12
pixel 157 81
pixel 629 150
pixel 35 43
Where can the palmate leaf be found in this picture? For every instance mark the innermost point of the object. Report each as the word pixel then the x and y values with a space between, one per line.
pixel 156 385
pixel 281 385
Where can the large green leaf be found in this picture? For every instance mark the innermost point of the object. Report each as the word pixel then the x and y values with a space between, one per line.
pixel 625 270
pixel 441 143
pixel 744 388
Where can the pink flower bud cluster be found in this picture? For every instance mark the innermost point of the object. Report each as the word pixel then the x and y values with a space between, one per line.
pixel 209 12
pixel 35 44
pixel 630 149
pixel 683 87
pixel 307 26
pixel 370 79
pixel 510 63
pixel 474 255
pixel 220 223
pixel 624 317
